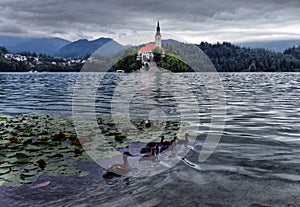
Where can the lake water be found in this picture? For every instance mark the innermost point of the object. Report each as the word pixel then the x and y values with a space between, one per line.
pixel 256 163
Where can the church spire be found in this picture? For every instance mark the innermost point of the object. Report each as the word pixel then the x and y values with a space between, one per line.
pixel 158 28
pixel 158 36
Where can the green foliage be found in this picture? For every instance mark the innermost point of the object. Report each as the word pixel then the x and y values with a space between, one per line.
pixel 157 50
pixel 44 66
pixel 35 144
pixel 128 64
pixel 168 62
pixel 171 62
pixel 230 58
pixel 32 145
pixel 295 52
pixel 3 50
pixel 12 66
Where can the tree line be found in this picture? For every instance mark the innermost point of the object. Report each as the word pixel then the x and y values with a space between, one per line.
pixel 227 57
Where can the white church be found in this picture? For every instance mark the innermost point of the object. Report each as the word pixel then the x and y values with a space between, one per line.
pixel 146 53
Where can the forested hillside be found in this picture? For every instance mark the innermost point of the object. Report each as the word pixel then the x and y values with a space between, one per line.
pixel 230 58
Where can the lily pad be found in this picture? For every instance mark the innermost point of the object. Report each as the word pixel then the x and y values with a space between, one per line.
pixel 83 174
pixel 11 160
pixel 35 144
pixel 4 171
pixel 5 165
pixel 2 142
pixel 2 182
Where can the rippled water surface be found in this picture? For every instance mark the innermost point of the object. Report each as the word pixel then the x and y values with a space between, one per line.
pixel 256 163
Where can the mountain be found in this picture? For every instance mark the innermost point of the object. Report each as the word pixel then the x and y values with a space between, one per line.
pixel 169 42
pixel 276 46
pixel 11 41
pixel 47 46
pixel 82 47
pixel 111 48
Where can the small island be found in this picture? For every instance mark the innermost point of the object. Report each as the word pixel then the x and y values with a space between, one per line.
pixel 151 57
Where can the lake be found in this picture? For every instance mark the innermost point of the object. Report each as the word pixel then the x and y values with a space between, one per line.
pixel 256 162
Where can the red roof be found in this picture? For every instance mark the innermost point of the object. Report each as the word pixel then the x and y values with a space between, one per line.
pixel 147 48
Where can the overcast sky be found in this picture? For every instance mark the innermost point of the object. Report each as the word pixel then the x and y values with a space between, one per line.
pixel 193 20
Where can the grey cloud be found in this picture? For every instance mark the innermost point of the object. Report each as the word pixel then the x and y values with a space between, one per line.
pixel 11 29
pixel 92 18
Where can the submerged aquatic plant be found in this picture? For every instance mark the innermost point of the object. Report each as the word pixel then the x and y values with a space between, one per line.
pixel 31 145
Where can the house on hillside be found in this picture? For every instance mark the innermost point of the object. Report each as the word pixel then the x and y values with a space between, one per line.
pixel 20 58
pixel 8 56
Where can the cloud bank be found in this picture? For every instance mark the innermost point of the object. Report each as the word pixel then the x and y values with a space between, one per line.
pixel 193 20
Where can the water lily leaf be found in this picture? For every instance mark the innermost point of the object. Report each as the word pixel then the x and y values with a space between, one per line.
pixel 35 144
pixel 13 184
pixel 29 180
pixel 10 160
pixel 4 142
pixel 23 161
pixel 83 174
pixel 30 167
pixel 70 172
pixel 6 165
pixel 32 148
pixel 12 176
pixel 30 173
pixel 4 171
pixel 21 155
pixel 17 168
pixel 10 154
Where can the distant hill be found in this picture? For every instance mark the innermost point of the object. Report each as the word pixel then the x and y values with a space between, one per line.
pixel 169 42
pixel 276 46
pixel 83 47
pixel 11 41
pixel 47 46
pixel 110 48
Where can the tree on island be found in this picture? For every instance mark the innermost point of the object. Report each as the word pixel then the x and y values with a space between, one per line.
pixel 128 64
pixel 169 62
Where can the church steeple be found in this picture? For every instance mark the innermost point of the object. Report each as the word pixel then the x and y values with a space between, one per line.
pixel 158 36
pixel 158 28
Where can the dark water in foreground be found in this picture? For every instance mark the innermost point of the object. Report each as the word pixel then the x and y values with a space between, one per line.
pixel 257 162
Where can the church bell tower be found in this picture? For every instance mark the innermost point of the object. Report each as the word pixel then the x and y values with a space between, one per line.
pixel 158 37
